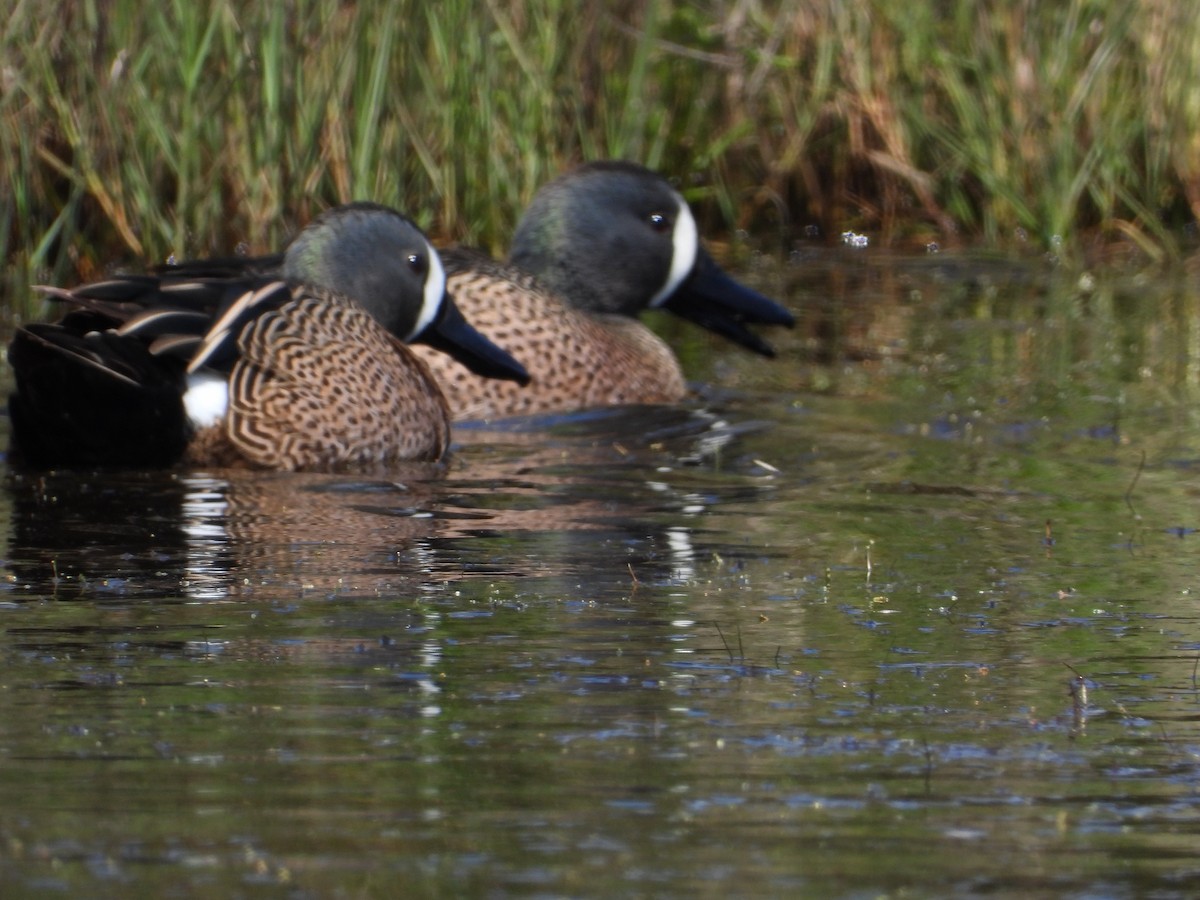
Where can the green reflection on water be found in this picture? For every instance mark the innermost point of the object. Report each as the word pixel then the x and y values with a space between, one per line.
pixel 819 639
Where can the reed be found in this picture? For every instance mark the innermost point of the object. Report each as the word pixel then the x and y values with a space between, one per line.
pixel 129 132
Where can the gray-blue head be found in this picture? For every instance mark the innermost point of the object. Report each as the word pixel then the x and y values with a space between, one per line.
pixel 614 237
pixel 383 261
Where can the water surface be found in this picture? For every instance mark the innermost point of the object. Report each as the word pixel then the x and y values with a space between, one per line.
pixel 908 611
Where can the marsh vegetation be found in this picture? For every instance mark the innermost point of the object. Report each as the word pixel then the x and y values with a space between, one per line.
pixel 130 132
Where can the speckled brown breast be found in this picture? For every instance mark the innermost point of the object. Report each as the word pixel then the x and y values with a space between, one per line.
pixel 321 385
pixel 575 359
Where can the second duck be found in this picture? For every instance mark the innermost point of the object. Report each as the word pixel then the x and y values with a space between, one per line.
pixel 596 247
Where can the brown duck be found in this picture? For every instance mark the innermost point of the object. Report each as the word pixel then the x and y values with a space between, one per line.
pixel 596 247
pixel 302 367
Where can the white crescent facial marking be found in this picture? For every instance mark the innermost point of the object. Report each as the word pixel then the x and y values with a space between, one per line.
pixel 435 290
pixel 686 241
pixel 206 398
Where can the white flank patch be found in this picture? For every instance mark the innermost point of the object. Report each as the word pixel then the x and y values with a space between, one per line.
pixel 686 239
pixel 435 289
pixel 206 399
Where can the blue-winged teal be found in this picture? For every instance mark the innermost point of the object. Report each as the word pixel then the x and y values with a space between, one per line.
pixel 596 247
pixel 300 369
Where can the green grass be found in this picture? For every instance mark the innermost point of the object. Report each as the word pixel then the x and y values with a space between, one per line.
pixel 129 131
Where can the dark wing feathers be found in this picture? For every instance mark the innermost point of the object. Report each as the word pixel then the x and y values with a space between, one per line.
pixel 104 384
pixel 174 312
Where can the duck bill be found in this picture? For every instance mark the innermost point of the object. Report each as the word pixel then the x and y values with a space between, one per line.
pixel 452 334
pixel 712 299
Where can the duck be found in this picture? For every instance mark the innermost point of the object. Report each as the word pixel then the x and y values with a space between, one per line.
pixel 597 246
pixel 305 363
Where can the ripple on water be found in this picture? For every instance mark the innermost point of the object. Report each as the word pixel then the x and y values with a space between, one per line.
pixel 905 610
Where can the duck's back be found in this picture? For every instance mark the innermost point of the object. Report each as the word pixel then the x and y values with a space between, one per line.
pixel 575 359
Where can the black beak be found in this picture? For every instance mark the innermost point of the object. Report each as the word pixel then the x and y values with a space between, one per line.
pixel 454 335
pixel 713 300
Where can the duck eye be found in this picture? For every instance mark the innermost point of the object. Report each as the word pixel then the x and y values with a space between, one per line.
pixel 418 263
pixel 659 223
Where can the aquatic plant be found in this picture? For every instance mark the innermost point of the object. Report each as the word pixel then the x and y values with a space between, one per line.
pixel 129 132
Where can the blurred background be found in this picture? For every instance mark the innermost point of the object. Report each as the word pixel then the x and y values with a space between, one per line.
pixel 132 132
